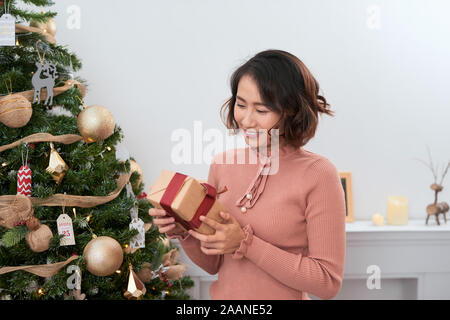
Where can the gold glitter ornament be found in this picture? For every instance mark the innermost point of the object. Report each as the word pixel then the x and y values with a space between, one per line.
pixel 56 166
pixel 95 123
pixel 103 256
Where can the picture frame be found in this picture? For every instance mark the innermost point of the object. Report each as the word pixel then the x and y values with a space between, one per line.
pixel 346 180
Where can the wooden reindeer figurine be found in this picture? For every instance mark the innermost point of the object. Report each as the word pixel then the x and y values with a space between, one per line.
pixel 436 208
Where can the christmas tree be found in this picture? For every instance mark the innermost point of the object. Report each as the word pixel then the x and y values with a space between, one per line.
pixel 74 220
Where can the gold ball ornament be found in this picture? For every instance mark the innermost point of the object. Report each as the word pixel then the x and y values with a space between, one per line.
pixel 103 256
pixel 15 110
pixel 95 123
pixel 135 167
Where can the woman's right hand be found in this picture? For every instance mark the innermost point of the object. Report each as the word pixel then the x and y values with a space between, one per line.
pixel 165 223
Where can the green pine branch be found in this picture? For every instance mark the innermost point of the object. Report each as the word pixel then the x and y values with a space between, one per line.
pixel 14 236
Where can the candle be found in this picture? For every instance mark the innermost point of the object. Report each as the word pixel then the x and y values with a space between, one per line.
pixel 378 219
pixel 397 210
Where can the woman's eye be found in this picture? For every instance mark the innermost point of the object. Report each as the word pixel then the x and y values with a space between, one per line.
pixel 240 106
pixel 260 111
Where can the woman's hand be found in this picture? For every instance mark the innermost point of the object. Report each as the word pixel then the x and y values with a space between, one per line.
pixel 227 238
pixel 166 225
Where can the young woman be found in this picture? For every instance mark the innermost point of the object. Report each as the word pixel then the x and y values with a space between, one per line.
pixel 284 233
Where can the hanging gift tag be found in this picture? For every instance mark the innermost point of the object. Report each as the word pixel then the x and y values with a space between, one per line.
pixel 65 228
pixel 24 181
pixel 7 30
pixel 138 241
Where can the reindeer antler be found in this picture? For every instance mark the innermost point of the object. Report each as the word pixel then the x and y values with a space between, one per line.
pixel 430 166
pixel 445 172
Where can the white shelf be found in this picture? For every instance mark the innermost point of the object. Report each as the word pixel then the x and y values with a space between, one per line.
pixel 413 225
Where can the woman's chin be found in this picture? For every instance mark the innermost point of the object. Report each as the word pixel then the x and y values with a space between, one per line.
pixel 254 143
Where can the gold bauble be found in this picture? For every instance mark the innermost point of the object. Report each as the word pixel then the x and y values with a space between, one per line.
pixel 134 167
pixel 103 256
pixel 15 110
pixel 95 123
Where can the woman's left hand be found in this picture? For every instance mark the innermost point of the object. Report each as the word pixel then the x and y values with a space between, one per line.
pixel 227 238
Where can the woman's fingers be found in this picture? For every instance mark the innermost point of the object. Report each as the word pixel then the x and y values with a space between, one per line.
pixel 163 221
pixel 157 212
pixel 166 228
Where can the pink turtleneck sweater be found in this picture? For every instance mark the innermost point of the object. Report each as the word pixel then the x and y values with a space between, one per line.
pixel 294 223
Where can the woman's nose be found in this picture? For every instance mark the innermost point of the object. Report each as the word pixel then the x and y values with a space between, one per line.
pixel 248 120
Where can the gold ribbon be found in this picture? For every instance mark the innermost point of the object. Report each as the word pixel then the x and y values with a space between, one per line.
pixel 73 201
pixel 42 270
pixel 44 137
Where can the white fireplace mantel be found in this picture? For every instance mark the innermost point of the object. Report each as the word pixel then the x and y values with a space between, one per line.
pixel 413 261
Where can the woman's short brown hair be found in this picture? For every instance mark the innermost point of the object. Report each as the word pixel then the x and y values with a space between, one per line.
pixel 288 88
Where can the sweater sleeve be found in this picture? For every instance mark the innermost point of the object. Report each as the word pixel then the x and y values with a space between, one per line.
pixel 320 272
pixel 191 245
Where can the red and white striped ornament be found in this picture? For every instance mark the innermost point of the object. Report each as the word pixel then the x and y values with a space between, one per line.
pixel 24 181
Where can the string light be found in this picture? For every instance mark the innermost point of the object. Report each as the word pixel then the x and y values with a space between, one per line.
pixel 118 271
pixel 41 291
pixel 89 217
pixel 4 164
pixel 108 148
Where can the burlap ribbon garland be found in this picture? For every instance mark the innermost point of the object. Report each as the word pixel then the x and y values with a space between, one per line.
pixel 15 211
pixel 43 137
pixel 70 200
pixel 61 199
pixel 24 29
pixel 42 270
pixel 57 90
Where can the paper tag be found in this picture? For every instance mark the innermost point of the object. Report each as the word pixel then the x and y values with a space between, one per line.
pixel 65 228
pixel 7 30
pixel 138 240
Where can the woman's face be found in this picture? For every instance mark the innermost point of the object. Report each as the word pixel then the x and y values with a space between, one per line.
pixel 252 116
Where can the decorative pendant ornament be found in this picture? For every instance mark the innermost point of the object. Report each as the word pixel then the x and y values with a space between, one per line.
pixel 138 241
pixel 136 289
pixel 65 228
pixel 48 71
pixel 24 178
pixel 7 28
pixel 56 166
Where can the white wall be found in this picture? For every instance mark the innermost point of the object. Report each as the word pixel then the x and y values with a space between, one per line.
pixel 161 65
